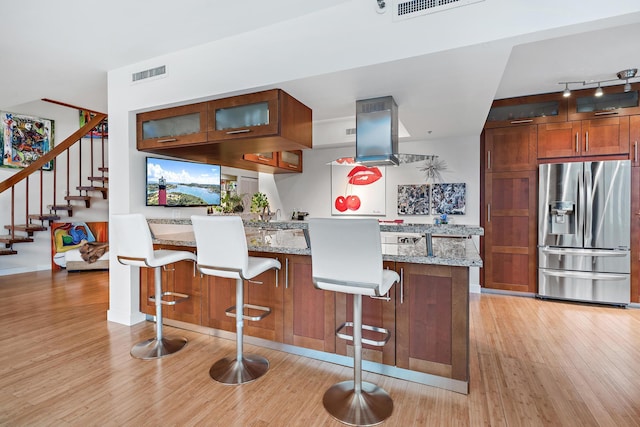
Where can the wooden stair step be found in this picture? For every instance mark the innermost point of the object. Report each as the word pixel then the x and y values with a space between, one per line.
pixel 104 190
pixel 105 169
pixel 26 228
pixel 8 252
pixel 44 217
pixel 8 240
pixel 56 208
pixel 85 199
pixel 98 178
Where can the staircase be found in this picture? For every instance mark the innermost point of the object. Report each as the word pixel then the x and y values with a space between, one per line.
pixel 67 156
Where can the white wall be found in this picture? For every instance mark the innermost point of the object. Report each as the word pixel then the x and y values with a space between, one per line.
pixel 37 255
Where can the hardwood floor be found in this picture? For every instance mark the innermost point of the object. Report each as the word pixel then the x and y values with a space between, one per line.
pixel 532 363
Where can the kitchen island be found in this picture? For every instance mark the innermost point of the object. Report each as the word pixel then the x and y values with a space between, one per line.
pixel 427 312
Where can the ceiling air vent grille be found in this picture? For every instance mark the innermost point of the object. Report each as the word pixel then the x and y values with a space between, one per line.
pixel 152 72
pixel 413 8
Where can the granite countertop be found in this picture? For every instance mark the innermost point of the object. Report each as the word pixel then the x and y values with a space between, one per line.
pixel 400 242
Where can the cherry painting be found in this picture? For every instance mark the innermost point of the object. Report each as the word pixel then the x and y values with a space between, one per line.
pixel 357 189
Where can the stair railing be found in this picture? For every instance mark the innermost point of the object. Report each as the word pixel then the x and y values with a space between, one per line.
pixel 36 166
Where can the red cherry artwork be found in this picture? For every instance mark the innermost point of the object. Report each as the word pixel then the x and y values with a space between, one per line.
pixel 353 203
pixel 341 203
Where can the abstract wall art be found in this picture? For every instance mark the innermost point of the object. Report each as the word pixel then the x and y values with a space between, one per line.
pixel 448 199
pixel 413 199
pixel 25 139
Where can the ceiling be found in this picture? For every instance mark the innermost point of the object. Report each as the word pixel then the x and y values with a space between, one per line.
pixel 443 94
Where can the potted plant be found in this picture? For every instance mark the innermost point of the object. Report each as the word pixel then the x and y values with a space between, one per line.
pixel 260 205
pixel 230 203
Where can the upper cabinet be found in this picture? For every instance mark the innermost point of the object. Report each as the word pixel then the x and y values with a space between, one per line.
pixel 615 102
pixel 547 108
pixel 172 127
pixel 263 131
pixel 597 137
pixel 265 121
pixel 510 149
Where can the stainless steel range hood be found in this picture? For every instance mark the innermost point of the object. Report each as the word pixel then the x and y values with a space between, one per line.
pixel 377 132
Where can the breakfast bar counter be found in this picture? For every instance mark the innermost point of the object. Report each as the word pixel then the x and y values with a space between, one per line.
pixel 427 312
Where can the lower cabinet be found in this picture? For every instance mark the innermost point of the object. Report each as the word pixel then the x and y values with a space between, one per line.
pixel 263 290
pixel 378 312
pixel 432 320
pixel 427 313
pixel 309 313
pixel 180 277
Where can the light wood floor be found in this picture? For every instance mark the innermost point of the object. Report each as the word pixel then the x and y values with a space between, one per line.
pixel 532 363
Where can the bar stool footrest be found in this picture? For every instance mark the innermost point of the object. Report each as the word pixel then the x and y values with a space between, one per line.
pixel 179 298
pixel 231 312
pixel 375 329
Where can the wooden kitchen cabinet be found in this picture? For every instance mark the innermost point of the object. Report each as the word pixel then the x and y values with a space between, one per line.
pixel 510 148
pixel 178 277
pixel 634 139
pixel 527 110
pixel 172 127
pixel 596 137
pixel 309 313
pixel 615 102
pixel 270 113
pixel 269 159
pixel 263 290
pixel 377 312
pixel 290 160
pixel 432 320
pixel 510 237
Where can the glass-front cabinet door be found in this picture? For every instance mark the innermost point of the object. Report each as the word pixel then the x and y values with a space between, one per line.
pixel 270 158
pixel 244 116
pixel 614 102
pixel 291 160
pixel 172 126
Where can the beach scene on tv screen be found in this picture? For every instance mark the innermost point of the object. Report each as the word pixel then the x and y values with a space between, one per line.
pixel 182 183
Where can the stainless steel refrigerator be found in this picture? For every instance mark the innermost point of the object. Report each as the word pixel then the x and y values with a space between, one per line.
pixel 584 231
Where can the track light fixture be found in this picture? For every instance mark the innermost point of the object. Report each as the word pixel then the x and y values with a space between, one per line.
pixel 382 6
pixel 625 75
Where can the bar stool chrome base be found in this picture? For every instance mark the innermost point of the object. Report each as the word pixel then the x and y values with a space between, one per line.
pixel 154 349
pixel 371 406
pixel 230 371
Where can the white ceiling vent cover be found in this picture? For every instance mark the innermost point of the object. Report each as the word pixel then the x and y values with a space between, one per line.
pixel 412 8
pixel 146 74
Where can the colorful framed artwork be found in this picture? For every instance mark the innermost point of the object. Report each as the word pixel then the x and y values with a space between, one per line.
pixel 357 189
pixel 448 199
pixel 85 116
pixel 413 199
pixel 25 139
pixel 71 236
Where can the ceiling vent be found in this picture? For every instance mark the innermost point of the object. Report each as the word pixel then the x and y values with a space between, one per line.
pixel 412 8
pixel 152 72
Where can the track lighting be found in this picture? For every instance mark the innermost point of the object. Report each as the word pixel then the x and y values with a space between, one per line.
pixel 621 75
pixel 599 91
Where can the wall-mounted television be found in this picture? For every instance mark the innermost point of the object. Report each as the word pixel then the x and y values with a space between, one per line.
pixel 173 183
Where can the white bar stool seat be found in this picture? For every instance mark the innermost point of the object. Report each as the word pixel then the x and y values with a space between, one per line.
pixel 222 251
pixel 134 246
pixel 346 256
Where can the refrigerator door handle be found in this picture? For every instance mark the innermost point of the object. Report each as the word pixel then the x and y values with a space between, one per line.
pixel 587 200
pixel 584 252
pixel 585 275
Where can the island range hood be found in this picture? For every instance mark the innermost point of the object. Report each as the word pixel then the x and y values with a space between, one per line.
pixel 377 132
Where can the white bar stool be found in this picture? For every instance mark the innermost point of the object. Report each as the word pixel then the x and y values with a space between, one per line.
pixel 346 256
pixel 222 251
pixel 134 246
